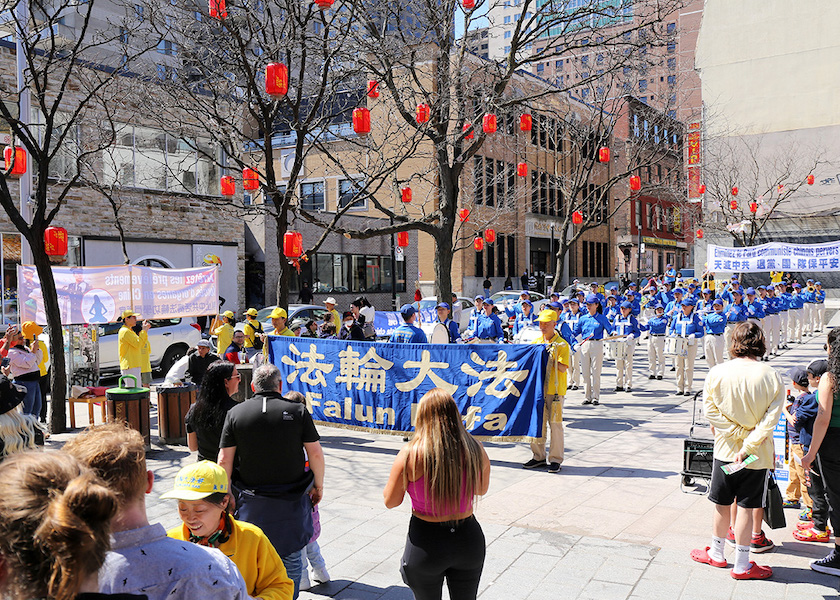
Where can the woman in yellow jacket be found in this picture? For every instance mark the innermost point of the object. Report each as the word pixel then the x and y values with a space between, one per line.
pixel 202 493
pixel 224 333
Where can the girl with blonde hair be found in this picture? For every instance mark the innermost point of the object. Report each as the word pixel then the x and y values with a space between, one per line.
pixel 443 469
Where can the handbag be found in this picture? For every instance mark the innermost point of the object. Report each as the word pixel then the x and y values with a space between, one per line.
pixel 774 513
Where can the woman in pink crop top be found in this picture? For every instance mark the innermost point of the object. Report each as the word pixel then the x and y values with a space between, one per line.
pixel 443 468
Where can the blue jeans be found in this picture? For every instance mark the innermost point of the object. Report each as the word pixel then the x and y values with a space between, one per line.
pixel 32 400
pixel 294 568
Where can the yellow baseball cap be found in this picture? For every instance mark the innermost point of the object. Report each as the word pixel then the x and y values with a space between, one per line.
pixel 197 481
pixel 31 330
pixel 129 313
pixel 251 312
pixel 277 313
pixel 229 314
pixel 547 316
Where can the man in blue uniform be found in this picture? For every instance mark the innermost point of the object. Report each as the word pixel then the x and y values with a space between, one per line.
pixel 636 305
pixel 704 305
pixel 590 330
pixel 474 314
pixel 627 326
pixel 656 327
pixel 715 327
pixel 408 333
pixel 686 325
pixel 666 295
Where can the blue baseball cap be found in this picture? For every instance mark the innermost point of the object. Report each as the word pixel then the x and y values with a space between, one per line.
pixel 659 305
pixel 553 294
pixel 678 290
pixel 479 298
pixel 489 301
pixel 707 291
pixel 613 287
pixel 565 301
pixel 528 302
pixel 797 286
pixel 739 292
pixel 631 284
pixel 750 291
pixel 592 299
pixel 810 281
pixel 691 286
pixel 406 310
pixel 570 300
pixel 817 283
pixel 687 302
pixel 717 301
pixel 525 293
pixel 631 294
pixel 555 305
pixel 443 305
pixel 626 304
pixel 734 278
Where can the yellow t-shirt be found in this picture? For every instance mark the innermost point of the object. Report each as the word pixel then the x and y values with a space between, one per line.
pixel 250 330
pixel 336 320
pixel 558 352
pixel 224 336
pixel 776 276
pixel 146 357
pixel 130 346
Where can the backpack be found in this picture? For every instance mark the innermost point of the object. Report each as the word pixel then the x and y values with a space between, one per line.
pixel 368 330
pixel 258 343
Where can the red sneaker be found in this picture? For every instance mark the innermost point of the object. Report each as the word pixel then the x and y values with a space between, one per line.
pixel 754 572
pixel 702 556
pixel 760 543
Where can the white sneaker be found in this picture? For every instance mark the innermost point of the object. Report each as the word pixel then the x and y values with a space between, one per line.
pixel 305 583
pixel 320 575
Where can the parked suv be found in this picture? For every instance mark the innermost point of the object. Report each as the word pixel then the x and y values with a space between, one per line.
pixel 169 339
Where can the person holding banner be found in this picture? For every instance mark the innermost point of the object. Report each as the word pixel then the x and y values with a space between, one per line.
pixel 555 395
pixel 590 331
pixel 442 469
pixel 130 344
pixel 408 332
pixel 224 332
pixel 686 325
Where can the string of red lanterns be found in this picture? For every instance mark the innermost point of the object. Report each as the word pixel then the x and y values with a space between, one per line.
pixel 735 190
pixel 464 215
pixel 635 183
pixel 809 180
pixel 522 169
pixel 55 241
pixel 577 217
pixel 733 205
pixel 292 244
pixel 228 186
pixel 526 122
pixel 604 155
pixel 753 207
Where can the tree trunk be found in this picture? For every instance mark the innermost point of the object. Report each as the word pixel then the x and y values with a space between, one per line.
pixel 58 379
pixel 443 265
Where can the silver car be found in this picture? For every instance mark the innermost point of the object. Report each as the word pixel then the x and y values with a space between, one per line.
pixel 169 340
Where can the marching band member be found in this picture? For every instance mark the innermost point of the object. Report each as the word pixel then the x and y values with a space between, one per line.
pixel 656 327
pixel 590 329
pixel 648 304
pixel 626 325
pixel 525 318
pixel 515 310
pixel 733 286
pixel 674 306
pixel 488 326
pixel 808 308
pixel 572 317
pixel 704 305
pixel 797 314
pixel 735 313
pixel 819 307
pixel 686 325
pixel 611 312
pixel 474 313
pixel 451 326
pixel 593 289
pixel 692 293
pixel 713 340
pixel 636 306
pixel 755 311
pixel 771 320
pixel 612 292
pixel 783 299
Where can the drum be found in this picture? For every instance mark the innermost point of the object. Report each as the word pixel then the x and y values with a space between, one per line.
pixel 527 335
pixel 615 349
pixel 439 334
pixel 675 346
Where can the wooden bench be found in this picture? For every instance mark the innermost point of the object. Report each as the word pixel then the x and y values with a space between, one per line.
pixel 90 402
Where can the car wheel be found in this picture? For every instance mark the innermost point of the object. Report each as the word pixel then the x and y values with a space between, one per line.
pixel 172 355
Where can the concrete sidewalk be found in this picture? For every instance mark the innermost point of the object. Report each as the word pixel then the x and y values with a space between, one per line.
pixel 612 524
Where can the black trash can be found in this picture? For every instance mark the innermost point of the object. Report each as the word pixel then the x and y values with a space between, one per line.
pixel 130 405
pixel 173 404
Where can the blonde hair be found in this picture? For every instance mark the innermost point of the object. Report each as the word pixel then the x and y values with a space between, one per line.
pixel 117 454
pixel 450 459
pixel 54 524
pixel 17 432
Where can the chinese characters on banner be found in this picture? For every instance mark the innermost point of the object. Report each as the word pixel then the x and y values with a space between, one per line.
pixel 101 294
pixel 775 256
pixel 693 138
pixel 376 386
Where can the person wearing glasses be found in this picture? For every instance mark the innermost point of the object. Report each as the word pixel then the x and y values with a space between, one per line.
pixel 205 418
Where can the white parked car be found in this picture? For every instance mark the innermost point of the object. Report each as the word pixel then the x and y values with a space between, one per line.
pixel 169 339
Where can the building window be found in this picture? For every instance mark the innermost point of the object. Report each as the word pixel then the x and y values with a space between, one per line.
pixel 355 273
pixel 138 11
pixel 643 85
pixel 672 64
pixel 167 47
pixel 672 80
pixel 507 20
pixel 558 64
pixel 584 60
pixel 123 35
pixel 671 28
pixel 507 35
pixel 312 196
pixel 540 67
pixel 349 193
pixel 672 48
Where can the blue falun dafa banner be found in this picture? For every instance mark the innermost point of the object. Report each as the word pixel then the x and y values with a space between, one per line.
pixel 377 386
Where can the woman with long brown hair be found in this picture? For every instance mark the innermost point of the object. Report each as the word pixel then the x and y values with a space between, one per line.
pixel 443 469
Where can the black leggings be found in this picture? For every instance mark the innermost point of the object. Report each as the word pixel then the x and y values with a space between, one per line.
pixel 437 550
pixel 829 465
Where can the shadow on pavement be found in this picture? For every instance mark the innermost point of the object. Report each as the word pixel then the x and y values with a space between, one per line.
pixel 354 589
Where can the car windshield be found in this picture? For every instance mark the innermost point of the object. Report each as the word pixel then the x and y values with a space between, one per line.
pixel 428 304
pixel 262 314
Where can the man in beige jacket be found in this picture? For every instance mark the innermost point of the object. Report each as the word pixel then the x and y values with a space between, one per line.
pixel 742 400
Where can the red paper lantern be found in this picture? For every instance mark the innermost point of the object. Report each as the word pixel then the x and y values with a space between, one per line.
pixel 276 80
pixel 424 113
pixel 699 234
pixel 734 190
pixel 577 217
pixel 250 179
pixel 701 189
pixel 604 155
pixel 635 183
pixel 469 4
pixel 522 169
pixel 17 155
pixel 753 207
pixel 490 235
pixel 361 121
pixel 373 89
pixel 526 122
pixel 733 204
pixel 402 239
pixel 478 244
pixel 471 134
pixel 292 244
pixel 464 215
pixel 228 186
pixel 405 194
pixel 55 241
pixel 324 4
pixel 781 187
pixel 809 180
pixel 217 9
pixel 489 123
